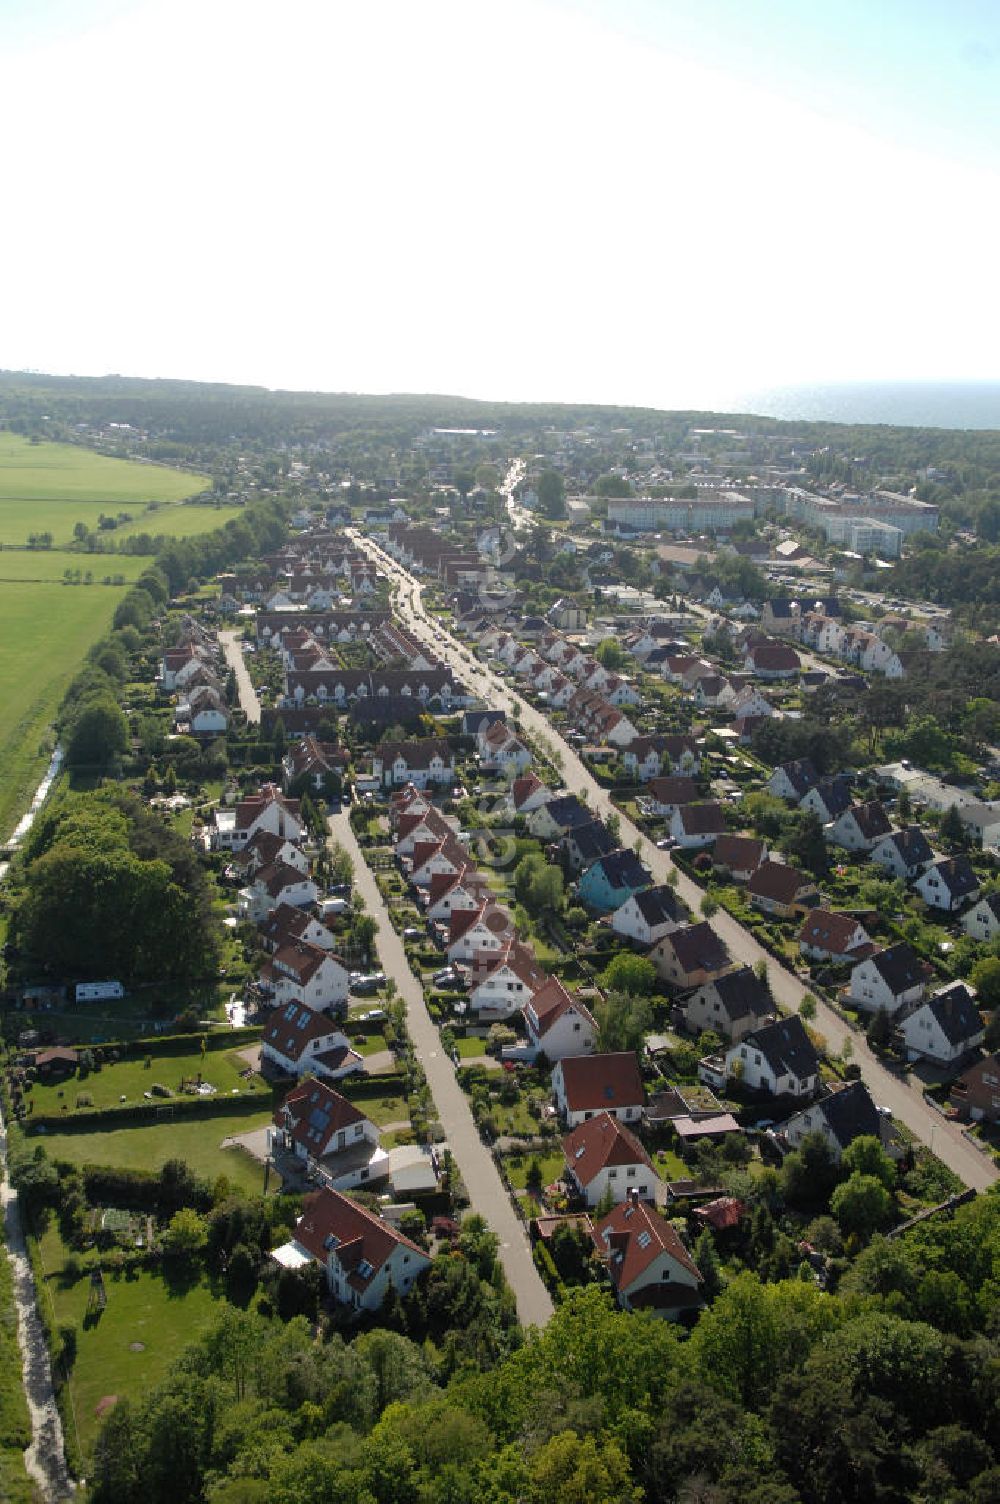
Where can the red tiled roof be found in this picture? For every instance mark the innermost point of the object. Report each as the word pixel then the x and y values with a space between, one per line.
pixel 620 1235
pixel 599 1143
pixel 333 1223
pixel 601 1083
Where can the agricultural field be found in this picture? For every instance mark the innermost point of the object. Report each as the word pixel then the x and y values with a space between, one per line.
pixel 144 1327
pixel 179 521
pixel 148 1146
pixel 50 487
pixel 49 565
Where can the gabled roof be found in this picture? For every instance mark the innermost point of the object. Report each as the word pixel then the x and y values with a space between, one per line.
pixel 954 1009
pixel 598 1144
pixel 957 875
pixel 592 841
pixel 800 773
pixel 522 789
pixel 992 902
pixel 778 881
pixel 363 1243
pixel 495 919
pixel 275 878
pixel 871 819
pixel 835 794
pixel 828 931
pixel 601 1083
pixel 658 904
pixel 899 967
pixel 313 1113
pixel 550 1003
pixel 697 948
pixel 416 754
pixel 742 994
pixel 301 959
pixel 287 923
pixel 568 812
pixel 702 819
pixel 673 789
pixel 622 869
pixel 911 844
pixel 851 1113
pixel 633 1236
pixel 294 1028
pixel 786 1047
pixel 738 853
pixel 518 958
pixel 775 657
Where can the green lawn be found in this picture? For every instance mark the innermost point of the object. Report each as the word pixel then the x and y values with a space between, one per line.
pixel 179 521
pixel 144 1327
pixel 552 1166
pixel 388 1109
pixel 471 1046
pixel 49 564
pixel 149 1145
pixel 129 1078
pixel 50 487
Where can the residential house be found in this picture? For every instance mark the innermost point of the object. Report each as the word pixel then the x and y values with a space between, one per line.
pixel 315 762
pixel 976 1093
pixel 738 857
pixel 827 799
pixel 782 890
pixel 793 780
pixel 691 956
pixel 585 1085
pixel 559 1025
pixel 647 916
pixel 551 820
pixel 829 936
pixel 423 763
pixel 666 795
pixel 604 1159
pixel 315 1122
pixel 527 794
pixel 264 851
pixel 297 1041
pixel 649 1267
pixel 749 704
pixel 268 809
pixel 432 858
pixel 694 826
pixel 298 970
pixel 892 979
pixel 286 924
pixel 479 935
pixel 948 883
pixel 902 853
pixel 586 845
pixel 945 1027
pixel 860 827
pixel 779 1058
pixel 732 1005
pixel 982 921
pixel 713 692
pixel 648 756
pixel 982 822
pixel 503 983
pixel 450 892
pixel 273 885
pixel 361 1255
pixel 841 1117
pixel 780 616
pixel 612 879
pixel 503 752
pixel 772 660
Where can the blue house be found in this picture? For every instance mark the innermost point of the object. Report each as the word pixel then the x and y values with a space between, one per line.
pixel 613 880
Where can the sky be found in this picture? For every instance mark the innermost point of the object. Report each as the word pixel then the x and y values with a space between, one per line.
pixel 646 201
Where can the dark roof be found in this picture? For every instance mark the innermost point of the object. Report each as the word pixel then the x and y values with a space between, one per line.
pixel 956 1013
pixel 623 869
pixel 782 608
pixel 474 721
pixel 786 1047
pixel 773 655
pixel 698 948
pixel 743 994
pixel 899 967
pixel 800 773
pixel 593 840
pixel 912 845
pixel 958 874
pixel 778 882
pixel 828 931
pixel 738 853
pixel 851 1113
pixel 569 812
pixel 836 795
pixel 674 788
pixel 702 819
pixel 657 904
pixel 871 819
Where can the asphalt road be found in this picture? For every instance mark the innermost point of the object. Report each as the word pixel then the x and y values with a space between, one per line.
pixel 483 1183
pixel 900 1094
pixel 232 647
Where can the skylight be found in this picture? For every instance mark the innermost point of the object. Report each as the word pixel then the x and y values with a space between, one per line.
pixel 644 1239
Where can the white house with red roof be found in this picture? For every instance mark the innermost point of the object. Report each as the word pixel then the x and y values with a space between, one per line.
pixel 297 1040
pixel 479 935
pixel 503 984
pixel 527 793
pixel 300 970
pixel 265 850
pixel 604 1158
pixel 268 809
pixel 450 892
pixel 274 885
pixel 285 924
pixel 433 858
pixel 649 1267
pixel 584 1085
pixel 314 1122
pixel 558 1024
pixel 360 1254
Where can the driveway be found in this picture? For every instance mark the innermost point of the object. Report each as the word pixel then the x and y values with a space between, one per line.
pixel 485 1188
pixel 945 1139
pixel 232 648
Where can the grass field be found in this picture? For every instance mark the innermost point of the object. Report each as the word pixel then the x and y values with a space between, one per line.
pixel 143 1329
pixel 179 522
pixel 130 1078
pixel 149 1146
pixel 49 487
pixel 24 566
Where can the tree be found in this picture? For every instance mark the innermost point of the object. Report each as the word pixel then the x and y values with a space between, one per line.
pixel 809 1173
pixel 633 975
pixel 866 1156
pixel 986 981
pixel 861 1205
pixel 574 1470
pixel 879 1031
pixel 611 654
pixel 951 827
pixel 622 1021
pixel 186 1236
pixel 707 1260
pixel 99 735
pixel 551 492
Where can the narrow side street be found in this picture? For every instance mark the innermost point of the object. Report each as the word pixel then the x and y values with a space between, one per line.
pixel 904 1100
pixel 45 1459
pixel 232 647
pixel 485 1188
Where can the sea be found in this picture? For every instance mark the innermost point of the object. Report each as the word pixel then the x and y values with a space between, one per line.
pixel 907 404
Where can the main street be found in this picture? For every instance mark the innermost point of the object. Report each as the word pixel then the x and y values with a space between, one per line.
pixel 901 1095
pixel 482 1181
pixel 232 647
